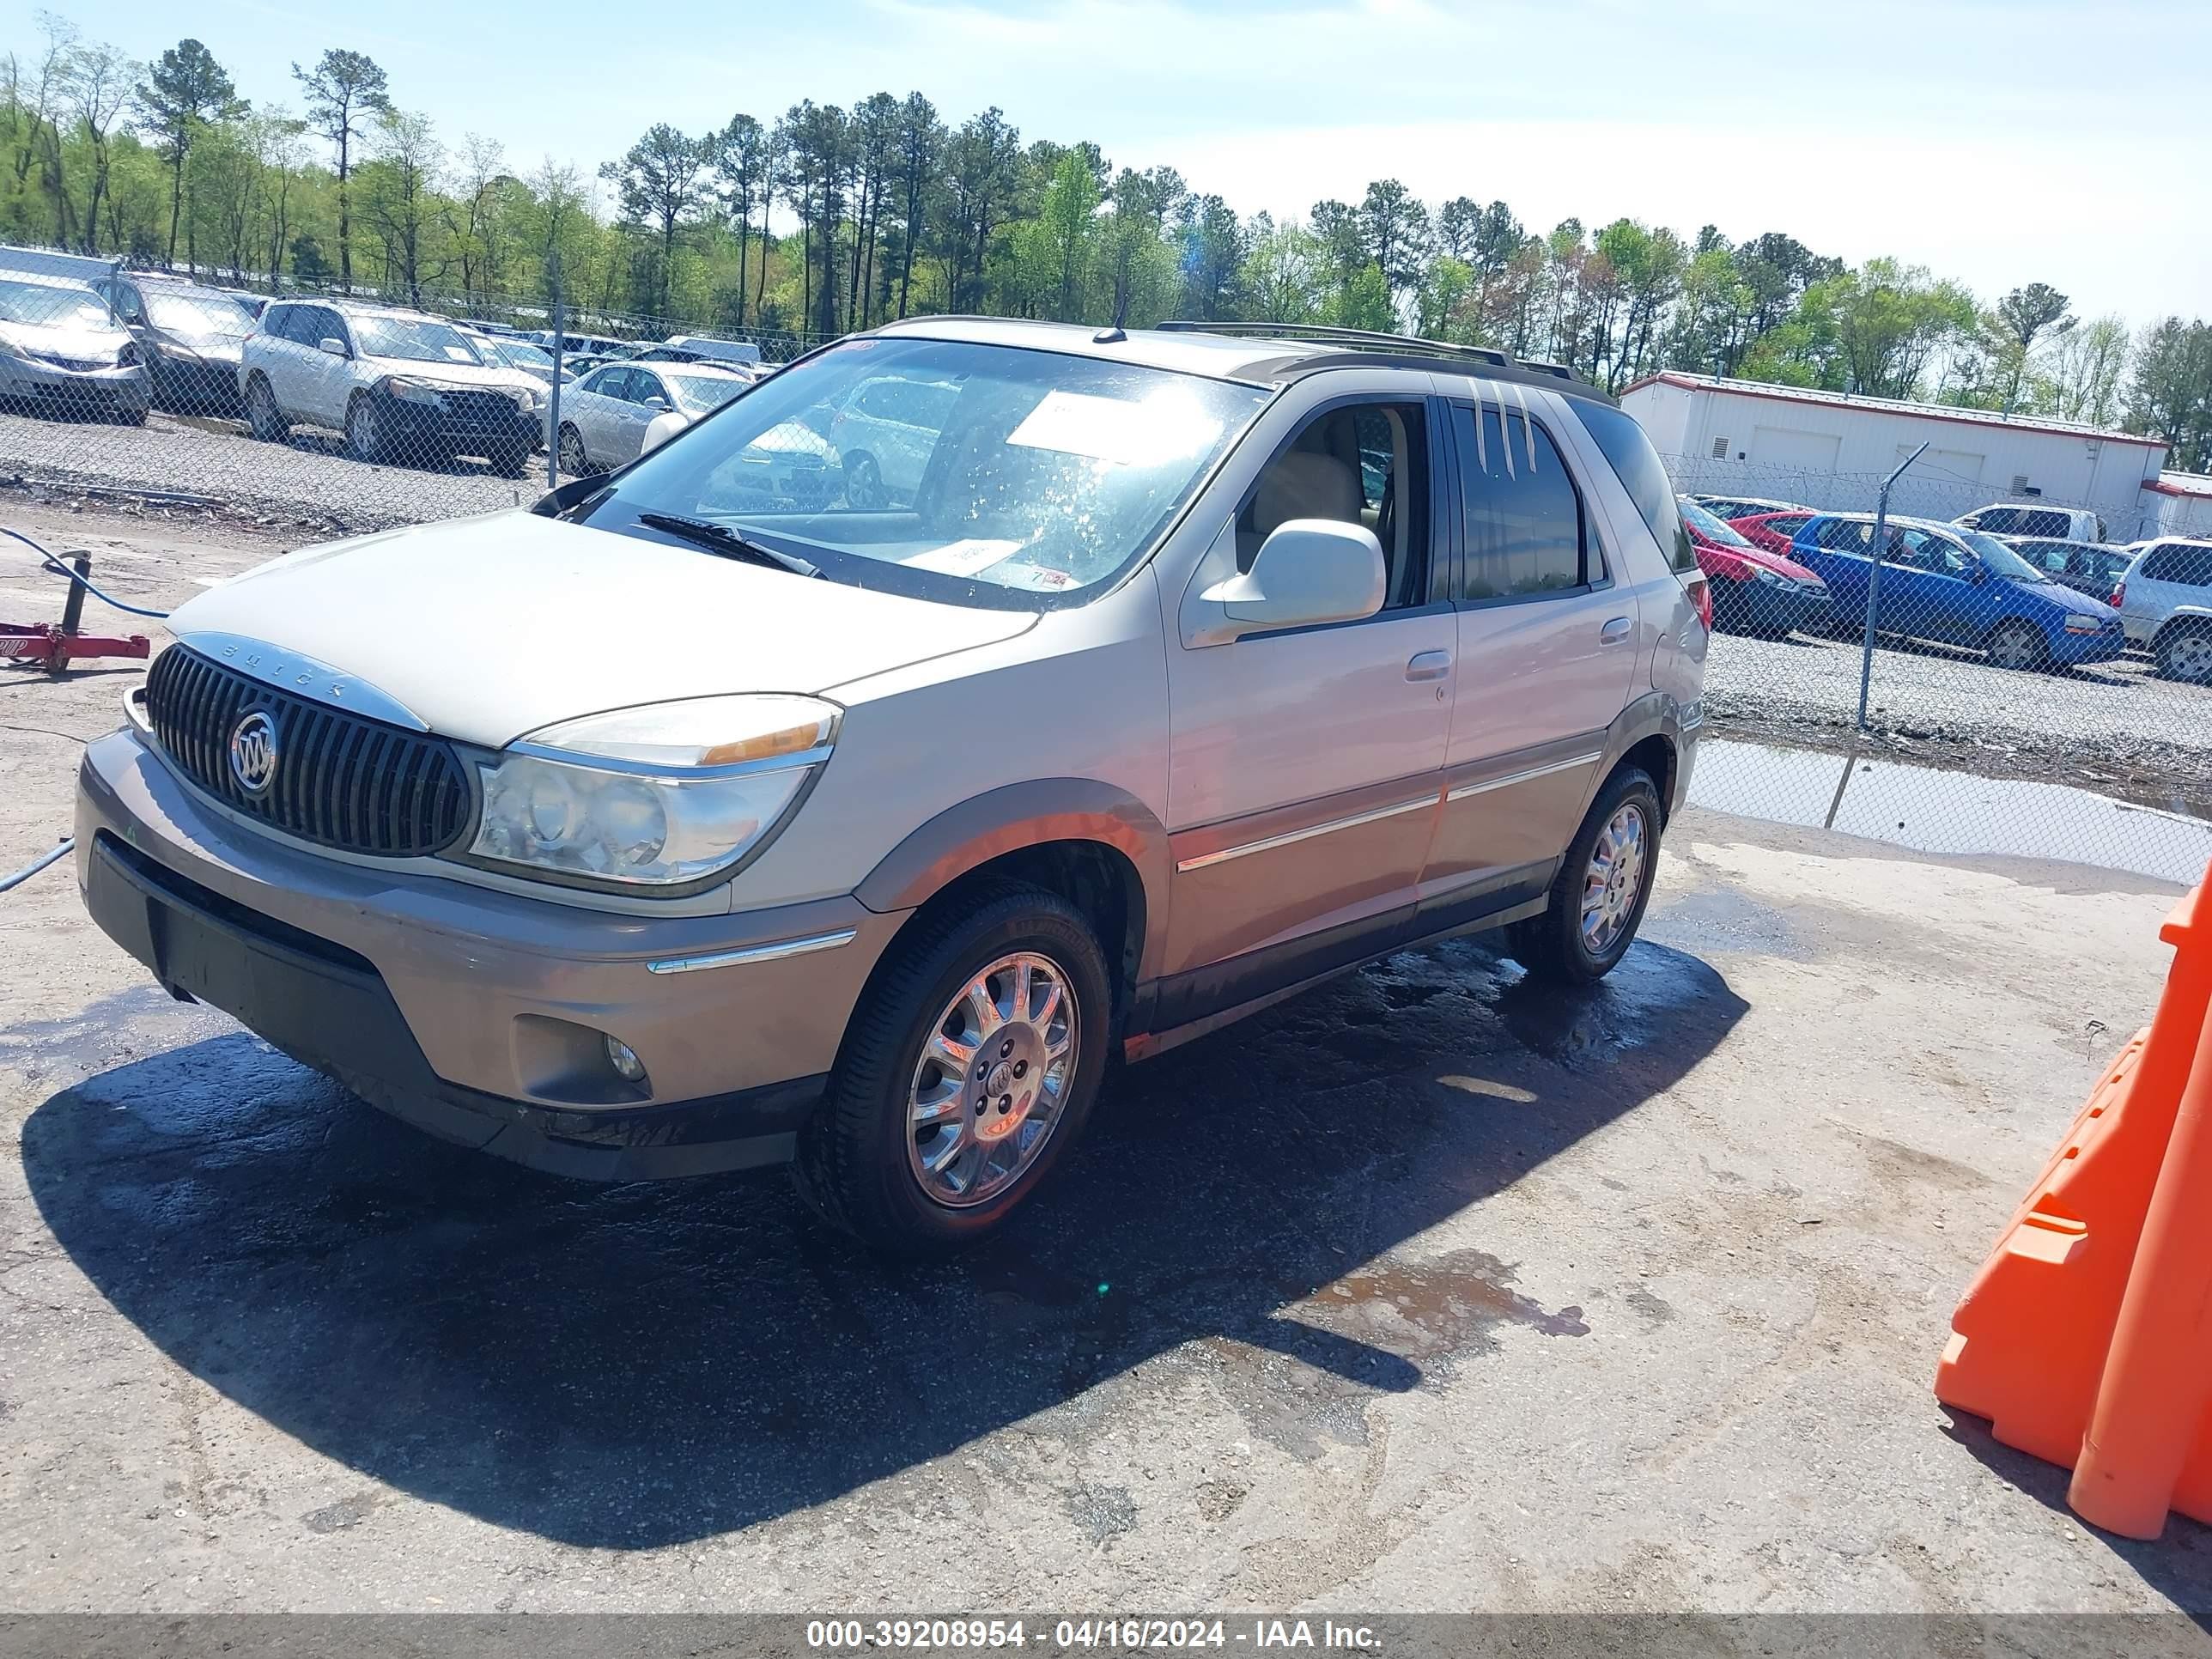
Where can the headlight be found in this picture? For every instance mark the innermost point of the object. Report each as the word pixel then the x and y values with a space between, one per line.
pixel 659 796
pixel 2085 624
pixel 126 356
pixel 526 399
pixel 412 391
pixel 1770 578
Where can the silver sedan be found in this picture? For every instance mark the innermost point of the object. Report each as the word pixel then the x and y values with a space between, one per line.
pixel 604 417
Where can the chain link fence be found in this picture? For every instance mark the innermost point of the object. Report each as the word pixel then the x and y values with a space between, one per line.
pixel 2025 687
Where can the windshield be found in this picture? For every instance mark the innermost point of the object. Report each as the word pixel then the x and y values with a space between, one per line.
pixel 2000 558
pixel 199 316
pixel 40 306
pixel 1039 478
pixel 701 393
pixel 523 355
pixel 415 339
pixel 1715 530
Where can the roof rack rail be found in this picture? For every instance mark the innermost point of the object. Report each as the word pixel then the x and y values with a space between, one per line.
pixel 1322 335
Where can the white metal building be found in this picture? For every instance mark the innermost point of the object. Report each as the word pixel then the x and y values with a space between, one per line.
pixel 2183 502
pixel 1830 450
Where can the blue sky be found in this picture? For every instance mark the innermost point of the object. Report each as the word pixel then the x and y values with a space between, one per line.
pixel 1999 142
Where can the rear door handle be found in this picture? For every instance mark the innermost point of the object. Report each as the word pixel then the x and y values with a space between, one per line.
pixel 1614 631
pixel 1429 665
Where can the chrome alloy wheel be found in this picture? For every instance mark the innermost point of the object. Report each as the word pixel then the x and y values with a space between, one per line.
pixel 1614 879
pixel 993 1076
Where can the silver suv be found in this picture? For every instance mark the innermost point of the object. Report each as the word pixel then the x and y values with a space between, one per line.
pixel 2165 602
pixel 1195 667
pixel 402 385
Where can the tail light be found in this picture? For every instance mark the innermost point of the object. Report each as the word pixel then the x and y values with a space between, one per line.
pixel 2119 592
pixel 1701 595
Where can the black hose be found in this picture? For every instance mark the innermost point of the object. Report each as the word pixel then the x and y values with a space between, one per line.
pixel 86 582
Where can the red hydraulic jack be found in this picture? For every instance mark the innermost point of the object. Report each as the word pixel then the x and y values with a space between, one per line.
pixel 55 646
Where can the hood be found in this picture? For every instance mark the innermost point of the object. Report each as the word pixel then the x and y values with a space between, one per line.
pixel 488 627
pixel 1752 555
pixel 446 373
pixel 2065 597
pixel 67 340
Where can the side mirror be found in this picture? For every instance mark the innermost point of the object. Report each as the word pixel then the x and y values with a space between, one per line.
pixel 661 429
pixel 1307 571
pixel 335 347
pixel 656 402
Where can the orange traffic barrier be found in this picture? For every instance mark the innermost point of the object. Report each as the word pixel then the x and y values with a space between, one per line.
pixel 2086 1337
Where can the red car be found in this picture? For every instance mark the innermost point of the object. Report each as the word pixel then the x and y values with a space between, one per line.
pixel 1773 531
pixel 1756 589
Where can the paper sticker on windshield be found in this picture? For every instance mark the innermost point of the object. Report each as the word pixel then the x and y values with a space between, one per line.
pixel 963 558
pixel 460 354
pixel 1159 427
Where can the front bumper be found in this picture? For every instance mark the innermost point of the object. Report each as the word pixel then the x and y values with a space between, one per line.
pixel 2074 649
pixel 1759 607
pixel 194 385
pixel 456 1007
pixel 482 423
pixel 74 390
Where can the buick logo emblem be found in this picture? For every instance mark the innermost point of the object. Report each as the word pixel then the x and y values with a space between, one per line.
pixel 253 752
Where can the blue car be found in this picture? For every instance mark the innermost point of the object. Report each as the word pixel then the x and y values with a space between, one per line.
pixel 1957 587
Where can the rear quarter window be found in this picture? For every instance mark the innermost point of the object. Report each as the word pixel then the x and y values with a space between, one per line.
pixel 2189 567
pixel 1640 471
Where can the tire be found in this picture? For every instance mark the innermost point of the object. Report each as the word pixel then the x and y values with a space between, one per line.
pixel 364 435
pixel 263 417
pixel 864 483
pixel 130 417
pixel 510 461
pixel 2185 654
pixel 861 1156
pixel 575 461
pixel 2016 645
pixel 1553 947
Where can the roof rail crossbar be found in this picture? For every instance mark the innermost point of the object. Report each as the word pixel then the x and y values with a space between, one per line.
pixel 1324 334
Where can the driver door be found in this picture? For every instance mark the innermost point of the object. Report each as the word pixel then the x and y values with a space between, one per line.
pixel 1306 764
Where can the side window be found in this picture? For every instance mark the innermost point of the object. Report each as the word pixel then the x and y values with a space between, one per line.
pixel 1846 536
pixel 609 382
pixel 1998 521
pixel 2181 563
pixel 277 322
pixel 1363 464
pixel 1644 476
pixel 325 325
pixel 644 384
pixel 1523 516
pixel 1787 526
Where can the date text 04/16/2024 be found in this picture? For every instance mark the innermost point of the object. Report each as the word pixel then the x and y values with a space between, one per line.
pixel 1123 1634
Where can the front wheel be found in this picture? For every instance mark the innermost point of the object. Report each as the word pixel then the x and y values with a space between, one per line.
pixel 2016 645
pixel 575 462
pixel 967 1072
pixel 1596 902
pixel 364 432
pixel 864 483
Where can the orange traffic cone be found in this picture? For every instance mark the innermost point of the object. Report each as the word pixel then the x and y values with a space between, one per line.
pixel 2120 1215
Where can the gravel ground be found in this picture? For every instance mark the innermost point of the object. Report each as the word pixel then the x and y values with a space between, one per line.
pixel 2114 727
pixel 1422 1290
pixel 306 480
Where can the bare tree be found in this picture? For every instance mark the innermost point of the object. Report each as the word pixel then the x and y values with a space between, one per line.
pixel 99 80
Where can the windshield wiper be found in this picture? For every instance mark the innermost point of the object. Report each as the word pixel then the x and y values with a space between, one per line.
pixel 720 539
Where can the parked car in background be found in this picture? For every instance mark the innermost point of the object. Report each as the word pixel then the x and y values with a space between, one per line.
pixel 1167 696
pixel 1754 591
pixel 2061 524
pixel 597 347
pixel 1774 531
pixel 1944 583
pixel 604 417
pixel 402 385
pixel 703 348
pixel 188 337
pixel 2165 600
pixel 63 352
pixel 884 434
pixel 1732 507
pixel 532 360
pixel 2090 568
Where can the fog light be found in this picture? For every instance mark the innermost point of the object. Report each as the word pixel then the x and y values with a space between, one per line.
pixel 624 1060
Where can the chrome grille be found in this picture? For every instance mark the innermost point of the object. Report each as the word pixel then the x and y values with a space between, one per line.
pixel 342 781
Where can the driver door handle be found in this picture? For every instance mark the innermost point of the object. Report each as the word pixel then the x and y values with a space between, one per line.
pixel 1614 631
pixel 1429 665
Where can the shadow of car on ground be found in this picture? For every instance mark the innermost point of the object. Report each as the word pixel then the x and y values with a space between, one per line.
pixel 631 1366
